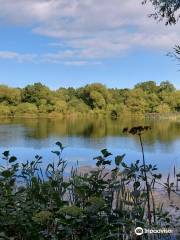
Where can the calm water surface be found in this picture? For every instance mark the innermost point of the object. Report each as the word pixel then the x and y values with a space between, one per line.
pixel 85 138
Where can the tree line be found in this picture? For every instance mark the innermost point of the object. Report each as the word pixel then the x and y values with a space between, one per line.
pixel 96 98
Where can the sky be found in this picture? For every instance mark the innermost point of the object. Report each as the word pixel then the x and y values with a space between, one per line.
pixel 64 43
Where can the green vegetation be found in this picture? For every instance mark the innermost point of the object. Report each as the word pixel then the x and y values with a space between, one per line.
pixel 145 97
pixel 165 10
pixel 106 203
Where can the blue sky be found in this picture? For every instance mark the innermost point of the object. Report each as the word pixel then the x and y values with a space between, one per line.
pixel 76 42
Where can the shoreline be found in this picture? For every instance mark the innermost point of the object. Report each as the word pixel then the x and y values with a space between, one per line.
pixel 77 115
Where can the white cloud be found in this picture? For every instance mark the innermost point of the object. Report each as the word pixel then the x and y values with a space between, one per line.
pixel 80 63
pixel 18 56
pixel 88 30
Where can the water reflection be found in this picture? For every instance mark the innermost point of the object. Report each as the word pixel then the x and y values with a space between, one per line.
pixel 84 138
pixel 162 130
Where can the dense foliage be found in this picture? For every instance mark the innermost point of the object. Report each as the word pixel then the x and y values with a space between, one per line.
pixel 101 204
pixel 165 9
pixel 145 97
pixel 168 11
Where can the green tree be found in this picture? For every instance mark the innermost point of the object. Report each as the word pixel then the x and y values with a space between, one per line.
pixel 66 94
pixel 97 99
pixel 118 95
pixel 153 101
pixel 95 95
pixel 166 86
pixel 168 98
pixel 5 110
pixel 136 102
pixel 163 108
pixel 77 105
pixel 177 100
pixel 43 108
pixel 115 110
pixel 10 95
pixel 60 106
pixel 29 108
pixel 36 93
pixel 149 87
pixel 165 10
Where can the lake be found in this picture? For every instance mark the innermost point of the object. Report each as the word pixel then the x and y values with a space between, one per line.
pixel 84 139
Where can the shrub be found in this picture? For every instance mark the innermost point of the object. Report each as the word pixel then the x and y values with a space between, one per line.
pixel 29 108
pixel 5 110
pixel 163 108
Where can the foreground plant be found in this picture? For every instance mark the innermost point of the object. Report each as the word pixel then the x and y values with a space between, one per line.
pixel 105 203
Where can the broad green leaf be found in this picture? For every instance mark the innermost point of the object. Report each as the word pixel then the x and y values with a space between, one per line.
pixel 12 159
pixel 59 144
pixel 118 159
pixel 6 173
pixel 6 154
pixel 105 153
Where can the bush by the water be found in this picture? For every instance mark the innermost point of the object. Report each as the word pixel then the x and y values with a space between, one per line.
pixel 105 203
